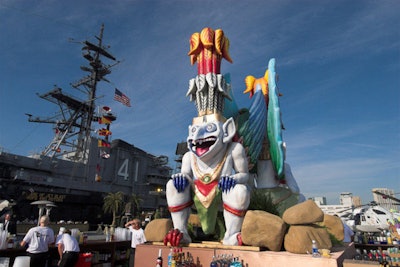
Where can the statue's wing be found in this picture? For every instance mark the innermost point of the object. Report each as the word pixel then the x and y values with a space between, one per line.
pixel 260 121
pixel 275 123
pixel 254 129
pixel 251 123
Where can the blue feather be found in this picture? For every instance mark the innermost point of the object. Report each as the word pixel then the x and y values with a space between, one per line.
pixel 230 107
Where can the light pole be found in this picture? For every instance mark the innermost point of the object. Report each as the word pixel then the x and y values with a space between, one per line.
pixel 49 207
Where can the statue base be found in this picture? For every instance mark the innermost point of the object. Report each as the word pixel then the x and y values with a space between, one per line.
pixel 146 255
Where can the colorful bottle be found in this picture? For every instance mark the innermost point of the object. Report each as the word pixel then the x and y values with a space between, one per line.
pixel 213 263
pixel 189 260
pixel 170 257
pixel 236 263
pixel 174 257
pixel 365 255
pixel 315 252
pixel 159 261
pixel 389 238
pixel 358 255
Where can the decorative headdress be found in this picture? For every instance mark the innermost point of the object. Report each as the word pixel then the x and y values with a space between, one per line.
pixel 209 87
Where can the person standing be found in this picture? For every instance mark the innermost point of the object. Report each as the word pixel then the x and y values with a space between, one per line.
pixel 138 237
pixel 68 249
pixel 8 224
pixel 348 233
pixel 38 239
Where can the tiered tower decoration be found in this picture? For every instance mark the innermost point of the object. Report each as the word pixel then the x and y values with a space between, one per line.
pixel 209 88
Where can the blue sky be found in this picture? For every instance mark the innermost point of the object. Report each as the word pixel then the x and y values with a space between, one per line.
pixel 338 64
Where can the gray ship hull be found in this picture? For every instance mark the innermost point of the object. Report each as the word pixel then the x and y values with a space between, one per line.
pixel 75 187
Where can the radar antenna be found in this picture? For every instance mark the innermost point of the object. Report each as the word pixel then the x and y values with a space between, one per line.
pixel 73 122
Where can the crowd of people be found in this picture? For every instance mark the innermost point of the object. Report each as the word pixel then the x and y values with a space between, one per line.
pixel 39 238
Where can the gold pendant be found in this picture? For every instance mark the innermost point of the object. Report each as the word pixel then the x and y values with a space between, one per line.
pixel 206 178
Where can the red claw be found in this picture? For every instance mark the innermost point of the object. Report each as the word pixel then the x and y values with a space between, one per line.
pixel 177 237
pixel 168 237
pixel 174 237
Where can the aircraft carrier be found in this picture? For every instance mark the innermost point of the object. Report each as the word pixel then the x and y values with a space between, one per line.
pixel 81 164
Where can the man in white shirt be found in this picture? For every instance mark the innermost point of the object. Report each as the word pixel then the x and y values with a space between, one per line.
pixel 68 249
pixel 38 240
pixel 138 237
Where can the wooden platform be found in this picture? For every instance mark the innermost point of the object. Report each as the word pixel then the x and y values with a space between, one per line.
pixel 203 253
pixel 215 245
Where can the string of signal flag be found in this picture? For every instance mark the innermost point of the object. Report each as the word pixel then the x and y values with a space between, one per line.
pixel 106 119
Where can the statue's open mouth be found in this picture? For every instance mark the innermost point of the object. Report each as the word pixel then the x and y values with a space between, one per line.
pixel 201 146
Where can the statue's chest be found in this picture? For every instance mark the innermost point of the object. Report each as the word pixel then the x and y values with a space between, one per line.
pixel 210 172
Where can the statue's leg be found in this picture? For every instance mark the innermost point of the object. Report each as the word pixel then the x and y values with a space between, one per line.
pixel 179 206
pixel 236 202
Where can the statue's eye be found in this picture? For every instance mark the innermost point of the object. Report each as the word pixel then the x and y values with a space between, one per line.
pixel 194 129
pixel 211 127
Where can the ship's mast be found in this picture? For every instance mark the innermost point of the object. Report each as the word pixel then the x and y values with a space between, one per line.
pixel 73 124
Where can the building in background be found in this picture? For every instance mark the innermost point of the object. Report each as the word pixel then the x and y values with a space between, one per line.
pixel 385 197
pixel 319 200
pixel 356 201
pixel 347 203
pixel 346 199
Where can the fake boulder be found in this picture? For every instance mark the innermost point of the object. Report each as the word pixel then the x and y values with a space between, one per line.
pixel 157 229
pixel 263 229
pixel 334 225
pixel 299 238
pixel 303 213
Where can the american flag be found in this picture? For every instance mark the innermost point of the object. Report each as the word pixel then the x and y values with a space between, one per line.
pixel 120 97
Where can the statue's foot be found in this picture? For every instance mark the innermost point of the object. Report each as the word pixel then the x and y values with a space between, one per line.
pixel 176 237
pixel 186 239
pixel 239 239
pixel 233 240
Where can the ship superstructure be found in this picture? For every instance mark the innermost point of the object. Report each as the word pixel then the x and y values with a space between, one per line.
pixel 82 164
pixel 73 125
